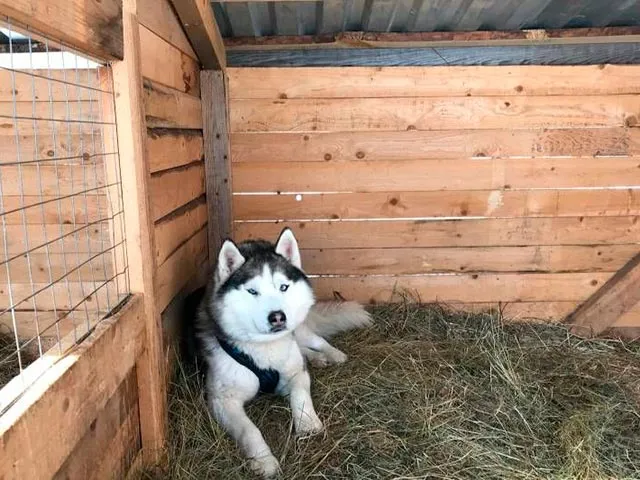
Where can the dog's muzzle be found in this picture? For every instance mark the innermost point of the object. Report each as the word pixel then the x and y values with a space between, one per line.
pixel 277 321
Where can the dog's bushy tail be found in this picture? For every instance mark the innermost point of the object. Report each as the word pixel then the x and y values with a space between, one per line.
pixel 329 318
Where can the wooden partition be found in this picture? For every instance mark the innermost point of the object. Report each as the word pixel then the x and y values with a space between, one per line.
pixel 466 185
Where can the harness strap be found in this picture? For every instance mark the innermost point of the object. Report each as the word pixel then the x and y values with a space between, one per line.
pixel 268 378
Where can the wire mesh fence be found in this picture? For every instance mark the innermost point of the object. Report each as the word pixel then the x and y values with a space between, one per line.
pixel 62 252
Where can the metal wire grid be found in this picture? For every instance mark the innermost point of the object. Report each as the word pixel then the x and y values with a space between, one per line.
pixel 63 252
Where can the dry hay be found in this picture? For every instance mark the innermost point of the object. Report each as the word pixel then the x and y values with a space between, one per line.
pixel 430 393
pixel 9 366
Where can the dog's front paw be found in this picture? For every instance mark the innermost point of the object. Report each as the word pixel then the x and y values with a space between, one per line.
pixel 266 467
pixel 326 358
pixel 311 425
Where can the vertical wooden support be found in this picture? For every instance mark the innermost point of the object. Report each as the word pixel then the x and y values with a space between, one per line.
pixel 217 158
pixel 130 120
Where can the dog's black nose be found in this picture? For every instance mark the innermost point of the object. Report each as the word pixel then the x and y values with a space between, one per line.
pixel 277 318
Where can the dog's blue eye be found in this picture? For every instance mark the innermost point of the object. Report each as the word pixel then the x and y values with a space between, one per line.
pixel 252 291
pixel 284 287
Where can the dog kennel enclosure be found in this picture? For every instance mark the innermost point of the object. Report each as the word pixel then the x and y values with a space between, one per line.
pixel 479 154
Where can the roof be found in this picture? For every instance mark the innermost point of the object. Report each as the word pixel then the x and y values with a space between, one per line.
pixel 269 18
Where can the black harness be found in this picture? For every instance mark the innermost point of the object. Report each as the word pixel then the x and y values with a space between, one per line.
pixel 268 378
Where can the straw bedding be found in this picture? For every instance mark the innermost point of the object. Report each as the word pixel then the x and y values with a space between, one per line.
pixel 433 393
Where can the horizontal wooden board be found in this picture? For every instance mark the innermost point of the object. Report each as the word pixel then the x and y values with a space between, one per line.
pixel 169 108
pixel 43 268
pixel 81 239
pixel 494 203
pixel 427 175
pixel 171 189
pixel 409 261
pixel 419 145
pixel 9 128
pixel 433 113
pixel 163 63
pixel 51 326
pixel 585 54
pixel 49 210
pixel 77 387
pixel 159 17
pixel 48 180
pixel 52 85
pixel 70 111
pixel 451 233
pixel 65 296
pixel 504 287
pixel 170 148
pixel 61 149
pixel 348 82
pixel 100 432
pixel 173 231
pixel 182 265
pixel 91 27
pixel 119 456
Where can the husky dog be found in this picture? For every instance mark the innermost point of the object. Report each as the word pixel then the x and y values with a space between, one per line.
pixel 255 326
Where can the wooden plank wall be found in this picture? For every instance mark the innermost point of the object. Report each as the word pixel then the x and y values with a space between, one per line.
pixel 174 148
pixel 467 185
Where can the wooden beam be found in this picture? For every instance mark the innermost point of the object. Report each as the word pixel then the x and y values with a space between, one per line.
pixel 201 28
pixel 91 27
pixel 132 133
pixel 581 54
pixel 438 39
pixel 615 298
pixel 41 430
pixel 217 159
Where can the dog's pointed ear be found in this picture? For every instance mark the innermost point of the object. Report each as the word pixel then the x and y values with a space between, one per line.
pixel 229 260
pixel 287 246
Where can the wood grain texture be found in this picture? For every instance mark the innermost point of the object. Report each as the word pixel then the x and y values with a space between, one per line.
pixel 465 288
pixel 92 27
pixel 128 88
pixel 63 150
pixel 417 175
pixel 169 148
pixel 367 82
pixel 183 264
pixel 173 231
pixel 160 17
pixel 612 300
pixel 63 111
pixel 168 108
pixel 219 174
pixel 493 203
pixel 171 189
pixel 409 261
pixel 69 388
pixel 163 63
pixel 45 85
pixel 67 238
pixel 77 293
pixel 432 113
pixel 49 210
pixel 433 144
pixel 42 268
pixel 547 55
pixel 201 27
pixel 99 434
pixel 452 233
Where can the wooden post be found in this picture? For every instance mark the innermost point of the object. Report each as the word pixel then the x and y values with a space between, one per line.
pixel 128 89
pixel 217 158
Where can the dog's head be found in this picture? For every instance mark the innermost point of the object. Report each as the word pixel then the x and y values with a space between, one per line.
pixel 261 291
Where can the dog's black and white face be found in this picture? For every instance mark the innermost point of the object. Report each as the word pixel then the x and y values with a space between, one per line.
pixel 261 290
